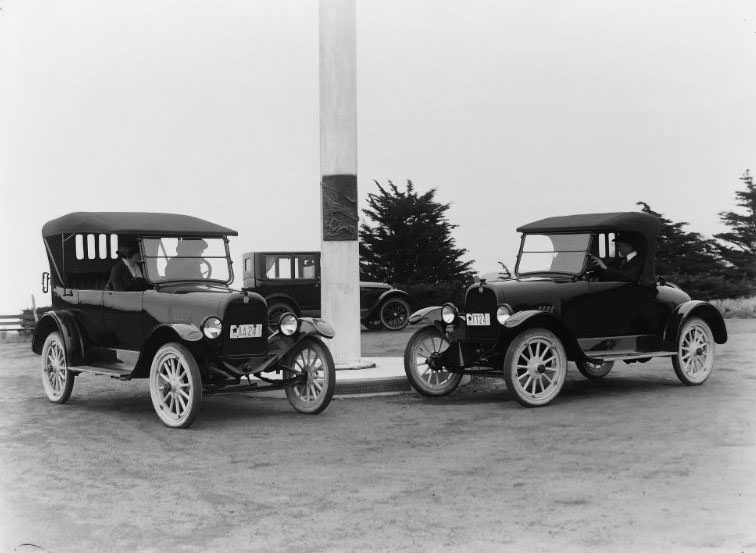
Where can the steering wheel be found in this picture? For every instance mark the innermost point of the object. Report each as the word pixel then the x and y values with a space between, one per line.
pixel 206 270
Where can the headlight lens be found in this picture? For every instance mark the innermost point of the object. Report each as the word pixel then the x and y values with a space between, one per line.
pixel 503 313
pixel 448 313
pixel 212 327
pixel 288 324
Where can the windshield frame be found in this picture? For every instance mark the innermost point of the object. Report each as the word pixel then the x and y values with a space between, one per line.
pixel 578 274
pixel 164 281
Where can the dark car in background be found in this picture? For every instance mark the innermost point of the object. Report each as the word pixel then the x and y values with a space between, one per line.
pixel 184 328
pixel 556 308
pixel 290 282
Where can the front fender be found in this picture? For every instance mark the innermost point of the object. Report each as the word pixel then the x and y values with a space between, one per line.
pixel 65 323
pixel 696 308
pixel 426 316
pixel 311 325
pixel 523 320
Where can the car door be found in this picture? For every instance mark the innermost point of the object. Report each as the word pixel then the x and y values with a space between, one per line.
pixel 123 319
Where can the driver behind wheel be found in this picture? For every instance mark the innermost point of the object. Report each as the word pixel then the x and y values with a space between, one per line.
pixel 625 268
pixel 188 261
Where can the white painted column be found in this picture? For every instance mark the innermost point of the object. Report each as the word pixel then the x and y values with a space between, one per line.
pixel 338 168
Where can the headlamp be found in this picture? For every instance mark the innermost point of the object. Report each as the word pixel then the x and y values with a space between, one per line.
pixel 212 327
pixel 448 313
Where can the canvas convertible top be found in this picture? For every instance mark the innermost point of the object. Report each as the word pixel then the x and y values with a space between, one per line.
pixel 629 221
pixel 138 223
pixel 643 224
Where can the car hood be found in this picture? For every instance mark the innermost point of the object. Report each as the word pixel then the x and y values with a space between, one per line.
pixel 532 292
pixel 375 285
pixel 193 303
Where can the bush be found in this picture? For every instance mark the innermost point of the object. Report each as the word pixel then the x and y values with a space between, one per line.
pixel 424 295
pixel 712 287
pixel 738 308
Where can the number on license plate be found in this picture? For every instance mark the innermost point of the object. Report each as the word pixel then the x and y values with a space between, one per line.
pixel 245 331
pixel 478 319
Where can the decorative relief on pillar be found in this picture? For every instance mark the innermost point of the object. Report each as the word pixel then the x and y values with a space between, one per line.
pixel 339 196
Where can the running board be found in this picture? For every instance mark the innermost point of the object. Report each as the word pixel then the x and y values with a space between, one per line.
pixel 630 356
pixel 105 371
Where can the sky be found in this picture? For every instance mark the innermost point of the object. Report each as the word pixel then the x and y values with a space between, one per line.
pixel 513 111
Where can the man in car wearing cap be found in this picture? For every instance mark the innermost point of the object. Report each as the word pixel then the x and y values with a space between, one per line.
pixel 627 267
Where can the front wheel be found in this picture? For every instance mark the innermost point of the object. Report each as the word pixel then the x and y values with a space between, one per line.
pixel 421 363
pixel 535 367
pixel 594 371
pixel 57 378
pixel 311 359
pixel 695 353
pixel 395 314
pixel 175 385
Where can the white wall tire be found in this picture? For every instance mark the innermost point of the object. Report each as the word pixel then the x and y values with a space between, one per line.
pixel 175 385
pixel 535 367
pixel 425 380
pixel 57 378
pixel 313 359
pixel 694 361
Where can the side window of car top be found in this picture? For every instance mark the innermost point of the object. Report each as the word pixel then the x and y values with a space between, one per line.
pixel 605 244
pixel 304 267
pixel 278 266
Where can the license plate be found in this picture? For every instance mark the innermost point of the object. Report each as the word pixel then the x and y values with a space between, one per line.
pixel 245 331
pixel 478 319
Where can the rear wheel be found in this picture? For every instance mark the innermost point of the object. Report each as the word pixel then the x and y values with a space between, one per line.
pixel 311 359
pixel 535 367
pixel 395 314
pixel 57 379
pixel 421 363
pixel 175 385
pixel 695 353
pixel 594 371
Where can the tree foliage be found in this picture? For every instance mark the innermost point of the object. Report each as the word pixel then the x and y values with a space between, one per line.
pixel 679 252
pixel 409 239
pixel 738 246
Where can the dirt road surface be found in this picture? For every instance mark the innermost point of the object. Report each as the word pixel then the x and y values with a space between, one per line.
pixel 636 462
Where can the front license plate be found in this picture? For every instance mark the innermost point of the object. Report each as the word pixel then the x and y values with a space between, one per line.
pixel 245 331
pixel 478 319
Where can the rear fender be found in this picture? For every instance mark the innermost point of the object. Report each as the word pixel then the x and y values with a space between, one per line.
pixel 64 323
pixel 394 292
pixel 524 320
pixel 283 298
pixel 695 308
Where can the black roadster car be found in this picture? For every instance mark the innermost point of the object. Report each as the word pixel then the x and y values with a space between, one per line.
pixel 559 307
pixel 176 322
pixel 290 282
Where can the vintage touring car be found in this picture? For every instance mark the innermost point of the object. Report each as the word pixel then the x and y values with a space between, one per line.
pixel 178 324
pixel 558 307
pixel 290 282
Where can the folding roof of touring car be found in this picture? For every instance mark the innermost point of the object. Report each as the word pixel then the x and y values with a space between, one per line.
pixel 134 223
pixel 628 221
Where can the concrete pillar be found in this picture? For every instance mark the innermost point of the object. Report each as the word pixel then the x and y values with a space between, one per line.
pixel 338 169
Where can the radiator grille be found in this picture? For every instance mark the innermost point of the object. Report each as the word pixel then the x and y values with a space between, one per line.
pixel 482 300
pixel 254 312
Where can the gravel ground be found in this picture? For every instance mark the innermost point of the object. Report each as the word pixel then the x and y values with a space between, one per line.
pixel 636 462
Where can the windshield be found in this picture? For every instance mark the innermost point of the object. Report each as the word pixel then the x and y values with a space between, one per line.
pixel 553 253
pixel 167 259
